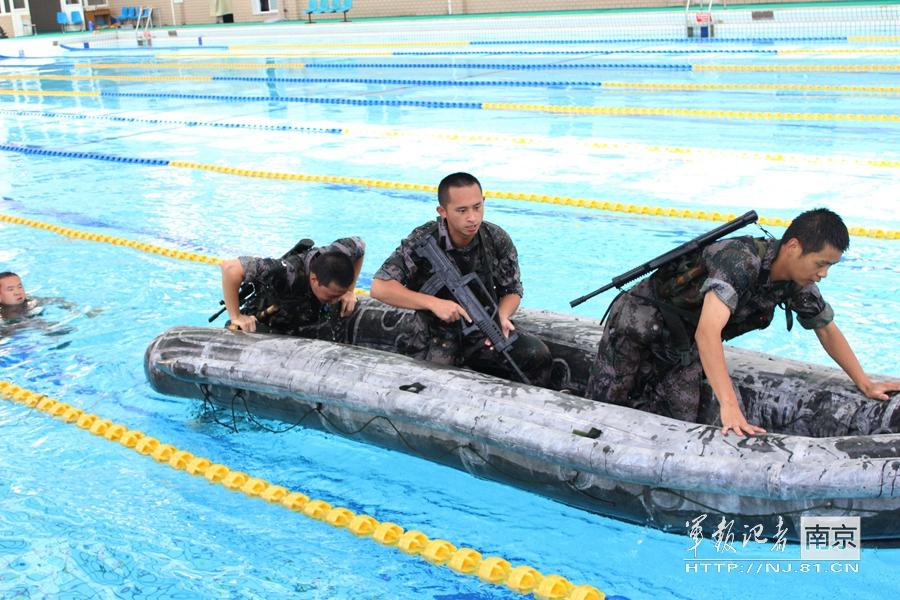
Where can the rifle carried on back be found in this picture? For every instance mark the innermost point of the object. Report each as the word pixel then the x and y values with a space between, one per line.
pixel 484 318
pixel 247 292
pixel 672 255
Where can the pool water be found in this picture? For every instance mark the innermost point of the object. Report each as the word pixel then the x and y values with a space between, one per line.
pixel 80 517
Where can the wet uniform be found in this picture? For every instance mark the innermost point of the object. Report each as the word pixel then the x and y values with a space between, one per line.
pixel 648 359
pixel 491 255
pixel 284 285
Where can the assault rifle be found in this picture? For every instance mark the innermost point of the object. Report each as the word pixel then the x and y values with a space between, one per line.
pixel 484 314
pixel 247 292
pixel 672 255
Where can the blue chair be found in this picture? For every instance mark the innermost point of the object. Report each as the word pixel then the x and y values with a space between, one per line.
pixel 146 17
pixel 335 6
pixel 324 6
pixel 311 8
pixel 345 8
pixel 62 19
pixel 123 16
pixel 77 19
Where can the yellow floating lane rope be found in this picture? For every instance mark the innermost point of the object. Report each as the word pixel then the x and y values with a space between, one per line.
pixel 110 239
pixel 676 151
pixel 632 111
pixel 873 38
pixel 839 51
pixel 465 561
pixel 871 89
pixel 188 65
pixel 798 68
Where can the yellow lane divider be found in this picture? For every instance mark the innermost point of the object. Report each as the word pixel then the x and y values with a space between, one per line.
pixel 187 65
pixel 869 89
pixel 840 51
pixel 269 54
pixel 541 198
pixel 110 239
pixel 47 93
pixel 679 151
pixel 873 38
pixel 494 570
pixel 689 112
pixel 108 77
pixel 351 45
pixel 798 68
pixel 681 213
pixel 874 89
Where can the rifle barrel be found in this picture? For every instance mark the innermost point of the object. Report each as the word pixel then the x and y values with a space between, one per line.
pixel 663 259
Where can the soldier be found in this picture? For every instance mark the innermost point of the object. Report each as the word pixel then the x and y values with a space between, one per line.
pixel 12 292
pixel 297 294
pixel 474 246
pixel 666 332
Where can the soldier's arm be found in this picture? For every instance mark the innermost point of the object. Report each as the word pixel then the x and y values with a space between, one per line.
pixel 506 308
pixel 713 317
pixel 391 291
pixel 232 277
pixel 839 349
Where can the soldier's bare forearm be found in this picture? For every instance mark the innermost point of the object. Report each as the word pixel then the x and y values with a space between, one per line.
pixel 396 294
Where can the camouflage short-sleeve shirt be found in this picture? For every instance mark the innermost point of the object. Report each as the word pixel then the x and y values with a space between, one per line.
pixel 739 276
pixel 284 281
pixel 492 253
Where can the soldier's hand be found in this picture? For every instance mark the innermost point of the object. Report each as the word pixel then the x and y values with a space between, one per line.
pixel 506 327
pixel 245 322
pixel 348 303
pixel 880 390
pixel 449 311
pixel 733 420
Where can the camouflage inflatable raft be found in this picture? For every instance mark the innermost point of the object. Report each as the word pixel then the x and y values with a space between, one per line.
pixel 835 452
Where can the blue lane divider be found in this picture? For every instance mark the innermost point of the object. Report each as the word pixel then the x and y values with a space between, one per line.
pixel 299 99
pixel 225 125
pixel 502 66
pixel 432 82
pixel 38 151
pixel 583 52
pixel 719 40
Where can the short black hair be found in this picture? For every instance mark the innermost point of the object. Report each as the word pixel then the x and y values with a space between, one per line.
pixel 6 274
pixel 454 180
pixel 817 227
pixel 333 267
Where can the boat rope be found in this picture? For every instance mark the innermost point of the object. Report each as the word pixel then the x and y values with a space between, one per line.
pixel 495 570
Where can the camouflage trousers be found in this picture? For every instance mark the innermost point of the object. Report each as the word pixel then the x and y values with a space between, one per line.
pixel 432 340
pixel 637 365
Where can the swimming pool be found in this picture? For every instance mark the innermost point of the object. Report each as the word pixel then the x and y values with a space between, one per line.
pixel 81 518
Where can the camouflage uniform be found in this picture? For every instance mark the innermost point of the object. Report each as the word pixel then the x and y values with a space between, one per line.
pixel 284 285
pixel 649 361
pixel 493 257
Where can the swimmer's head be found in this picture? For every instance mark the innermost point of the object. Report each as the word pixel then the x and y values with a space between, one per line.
pixel 12 292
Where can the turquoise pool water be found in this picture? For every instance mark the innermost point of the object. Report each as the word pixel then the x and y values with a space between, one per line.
pixel 80 517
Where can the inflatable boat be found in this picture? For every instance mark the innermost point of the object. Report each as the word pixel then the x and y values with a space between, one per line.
pixel 833 452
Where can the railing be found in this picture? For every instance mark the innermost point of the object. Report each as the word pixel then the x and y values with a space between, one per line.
pixel 700 24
